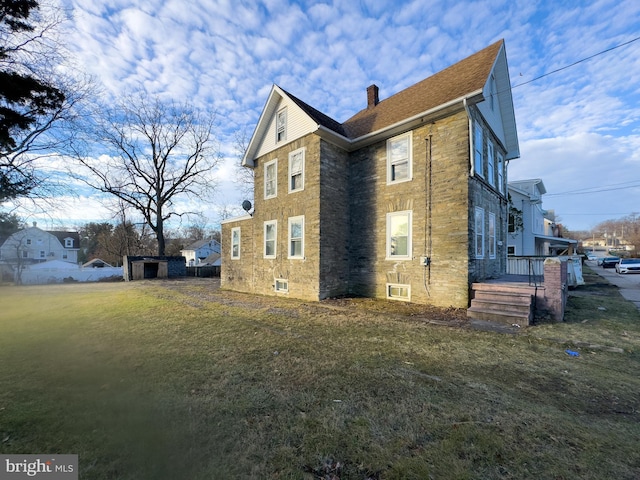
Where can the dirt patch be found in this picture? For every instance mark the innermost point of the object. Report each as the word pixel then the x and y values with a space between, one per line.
pixel 202 290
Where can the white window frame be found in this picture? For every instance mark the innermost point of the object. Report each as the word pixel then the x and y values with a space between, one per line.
pixel 68 243
pixel 292 173
pixel 281 285
pixel 295 220
pixel 391 162
pixel 281 125
pixel 500 172
pixel 478 159
pixel 399 286
pixel 273 223
pixel 235 235
pixel 511 250
pixel 28 241
pixel 390 216
pixel 274 194
pixel 491 164
pixel 492 235
pixel 479 233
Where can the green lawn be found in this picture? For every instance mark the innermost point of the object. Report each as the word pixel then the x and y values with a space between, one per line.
pixel 171 380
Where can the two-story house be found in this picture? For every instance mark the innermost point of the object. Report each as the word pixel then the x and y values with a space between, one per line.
pixel 531 230
pixel 201 251
pixel 406 200
pixel 34 245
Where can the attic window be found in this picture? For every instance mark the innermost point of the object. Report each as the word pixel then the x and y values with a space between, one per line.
pixel 68 243
pixel 492 92
pixel 281 125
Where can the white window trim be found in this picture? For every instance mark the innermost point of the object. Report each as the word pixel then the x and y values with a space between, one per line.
pixel 233 230
pixel 509 247
pixel 398 285
pixel 492 239
pixel 275 189
pixel 291 155
pixel 478 158
pixel 409 136
pixel 480 233
pixel 491 165
pixel 293 220
pixel 282 111
pixel 500 172
pixel 282 281
pixel 409 255
pixel 68 243
pixel 275 238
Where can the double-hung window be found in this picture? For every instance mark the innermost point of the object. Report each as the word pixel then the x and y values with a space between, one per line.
pixel 296 170
pixel 479 232
pixel 478 158
pixel 399 153
pixel 271 179
pixel 235 243
pixel 500 173
pixel 270 237
pixel 492 235
pixel 490 163
pixel 281 125
pixel 399 235
pixel 296 237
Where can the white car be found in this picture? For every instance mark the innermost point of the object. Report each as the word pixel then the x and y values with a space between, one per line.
pixel 628 265
pixel 592 256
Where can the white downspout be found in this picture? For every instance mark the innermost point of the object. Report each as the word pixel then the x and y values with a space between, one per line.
pixel 471 146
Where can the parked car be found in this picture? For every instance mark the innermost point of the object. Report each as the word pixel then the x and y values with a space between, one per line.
pixel 628 265
pixel 600 259
pixel 610 262
pixel 592 256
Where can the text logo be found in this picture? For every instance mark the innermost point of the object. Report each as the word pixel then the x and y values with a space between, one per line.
pixel 45 467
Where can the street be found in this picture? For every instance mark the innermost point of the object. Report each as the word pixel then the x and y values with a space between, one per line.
pixel 629 283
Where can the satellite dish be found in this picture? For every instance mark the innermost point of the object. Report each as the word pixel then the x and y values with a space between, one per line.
pixel 246 205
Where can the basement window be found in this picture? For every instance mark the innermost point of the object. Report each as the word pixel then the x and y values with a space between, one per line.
pixel 281 285
pixel 396 291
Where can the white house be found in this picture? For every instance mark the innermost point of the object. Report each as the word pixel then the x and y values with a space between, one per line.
pixel 34 245
pixel 197 252
pixel 537 234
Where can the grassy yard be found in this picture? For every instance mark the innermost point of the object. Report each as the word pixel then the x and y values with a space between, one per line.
pixel 176 380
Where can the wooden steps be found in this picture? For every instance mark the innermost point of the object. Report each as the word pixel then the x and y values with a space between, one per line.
pixel 502 303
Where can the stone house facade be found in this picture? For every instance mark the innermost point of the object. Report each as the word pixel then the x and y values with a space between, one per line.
pixel 406 200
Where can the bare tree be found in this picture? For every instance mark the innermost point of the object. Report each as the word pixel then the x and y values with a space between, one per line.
pixel 244 175
pixel 153 154
pixel 37 101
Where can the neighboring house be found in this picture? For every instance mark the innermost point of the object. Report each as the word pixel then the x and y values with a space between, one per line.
pixel 199 251
pixel 537 233
pixel 406 200
pixel 34 245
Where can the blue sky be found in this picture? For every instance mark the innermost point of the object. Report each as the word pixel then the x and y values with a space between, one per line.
pixel 579 128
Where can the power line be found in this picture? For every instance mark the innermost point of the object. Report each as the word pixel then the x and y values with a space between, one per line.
pixel 577 62
pixel 602 188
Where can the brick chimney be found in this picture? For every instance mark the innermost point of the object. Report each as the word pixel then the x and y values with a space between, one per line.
pixel 372 96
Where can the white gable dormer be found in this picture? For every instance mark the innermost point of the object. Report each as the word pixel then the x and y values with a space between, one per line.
pixel 282 121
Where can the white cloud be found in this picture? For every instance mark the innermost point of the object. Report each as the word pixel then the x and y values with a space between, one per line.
pixel 576 127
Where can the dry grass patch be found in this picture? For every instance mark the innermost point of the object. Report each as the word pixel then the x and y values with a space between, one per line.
pixel 181 380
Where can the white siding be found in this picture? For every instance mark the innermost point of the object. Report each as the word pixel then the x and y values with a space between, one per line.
pixel 298 125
